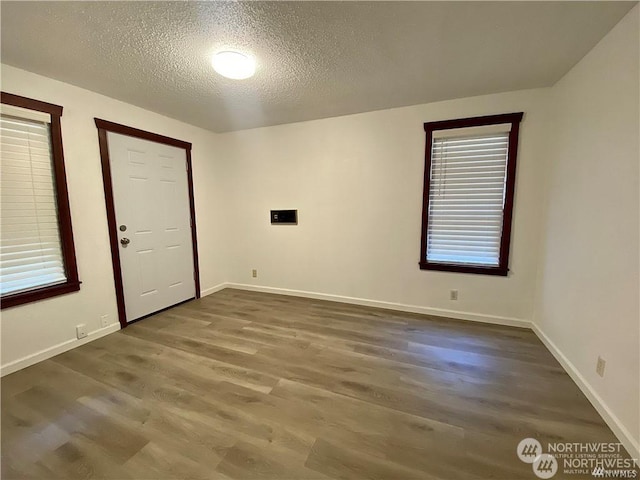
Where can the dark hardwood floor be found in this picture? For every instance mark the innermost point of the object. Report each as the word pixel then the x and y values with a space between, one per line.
pixel 248 385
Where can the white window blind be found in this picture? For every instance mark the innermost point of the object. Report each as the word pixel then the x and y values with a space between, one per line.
pixel 30 247
pixel 466 198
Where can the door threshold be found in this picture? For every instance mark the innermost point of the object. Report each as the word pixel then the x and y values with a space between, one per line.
pixel 159 311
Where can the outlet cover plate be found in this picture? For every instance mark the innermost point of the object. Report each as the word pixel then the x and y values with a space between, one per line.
pixel 81 331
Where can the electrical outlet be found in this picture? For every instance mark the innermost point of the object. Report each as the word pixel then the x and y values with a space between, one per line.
pixel 81 331
pixel 600 366
pixel 254 273
pixel 453 295
pixel 104 321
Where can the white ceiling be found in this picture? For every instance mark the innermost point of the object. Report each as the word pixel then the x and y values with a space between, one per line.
pixel 315 59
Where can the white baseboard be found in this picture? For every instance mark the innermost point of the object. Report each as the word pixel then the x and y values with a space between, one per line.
pixel 618 429
pixel 214 289
pixel 34 358
pixel 438 312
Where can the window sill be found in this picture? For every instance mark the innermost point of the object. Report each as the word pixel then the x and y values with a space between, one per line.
pixel 475 269
pixel 12 300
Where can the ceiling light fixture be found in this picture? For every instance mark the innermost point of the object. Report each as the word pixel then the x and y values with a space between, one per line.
pixel 234 65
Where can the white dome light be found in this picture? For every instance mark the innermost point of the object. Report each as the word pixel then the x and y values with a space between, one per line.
pixel 234 65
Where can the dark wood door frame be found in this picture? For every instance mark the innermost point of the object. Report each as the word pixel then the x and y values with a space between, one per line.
pixel 103 127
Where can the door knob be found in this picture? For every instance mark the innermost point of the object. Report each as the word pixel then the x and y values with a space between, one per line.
pixel 125 241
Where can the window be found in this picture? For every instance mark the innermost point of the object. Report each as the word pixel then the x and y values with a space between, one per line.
pixel 469 182
pixel 37 257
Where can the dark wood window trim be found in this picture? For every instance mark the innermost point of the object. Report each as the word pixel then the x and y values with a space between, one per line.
pixel 503 267
pixel 105 126
pixel 72 283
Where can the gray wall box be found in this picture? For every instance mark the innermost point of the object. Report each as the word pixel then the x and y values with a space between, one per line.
pixel 284 217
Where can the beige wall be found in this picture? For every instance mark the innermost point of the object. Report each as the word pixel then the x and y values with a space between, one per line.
pixel 357 183
pixel 33 328
pixel 588 287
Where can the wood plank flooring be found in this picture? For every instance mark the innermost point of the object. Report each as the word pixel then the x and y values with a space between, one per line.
pixel 243 385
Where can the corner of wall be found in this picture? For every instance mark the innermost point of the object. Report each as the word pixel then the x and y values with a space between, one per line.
pixel 593 109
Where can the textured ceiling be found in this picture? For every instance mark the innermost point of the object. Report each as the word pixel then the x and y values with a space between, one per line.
pixel 314 59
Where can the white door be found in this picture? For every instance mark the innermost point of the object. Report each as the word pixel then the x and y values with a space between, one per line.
pixel 151 197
